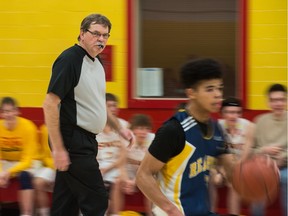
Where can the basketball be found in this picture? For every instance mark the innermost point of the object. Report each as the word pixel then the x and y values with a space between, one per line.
pixel 256 179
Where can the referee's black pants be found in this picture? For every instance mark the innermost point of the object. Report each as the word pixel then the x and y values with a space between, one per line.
pixel 81 186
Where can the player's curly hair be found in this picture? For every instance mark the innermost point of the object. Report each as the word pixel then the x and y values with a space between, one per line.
pixel 197 70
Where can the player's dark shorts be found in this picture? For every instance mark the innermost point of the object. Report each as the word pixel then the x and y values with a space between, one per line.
pixel 81 187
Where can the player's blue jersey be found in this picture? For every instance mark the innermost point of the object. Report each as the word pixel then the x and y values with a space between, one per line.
pixel 184 178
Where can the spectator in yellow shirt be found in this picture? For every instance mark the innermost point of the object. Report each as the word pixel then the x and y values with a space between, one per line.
pixel 18 143
pixel 44 176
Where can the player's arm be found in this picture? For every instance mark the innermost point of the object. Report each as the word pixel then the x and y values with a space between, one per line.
pixel 113 122
pixel 169 141
pixel 51 114
pixel 123 173
pixel 122 155
pixel 227 161
pixel 145 180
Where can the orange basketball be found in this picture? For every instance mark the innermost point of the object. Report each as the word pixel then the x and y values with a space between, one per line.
pixel 256 179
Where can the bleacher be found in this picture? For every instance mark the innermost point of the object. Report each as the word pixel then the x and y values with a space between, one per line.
pixel 8 196
pixel 9 204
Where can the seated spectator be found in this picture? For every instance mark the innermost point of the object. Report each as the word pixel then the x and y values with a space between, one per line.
pixel 238 134
pixel 44 176
pixel 271 139
pixel 141 127
pixel 111 147
pixel 18 142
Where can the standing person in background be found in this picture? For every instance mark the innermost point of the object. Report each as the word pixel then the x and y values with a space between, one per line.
pixel 75 112
pixel 18 144
pixel 44 177
pixel 111 148
pixel 141 126
pixel 271 139
pixel 112 104
pixel 186 146
pixel 238 134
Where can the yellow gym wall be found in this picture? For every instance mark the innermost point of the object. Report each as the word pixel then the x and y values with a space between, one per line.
pixel 33 33
pixel 267 49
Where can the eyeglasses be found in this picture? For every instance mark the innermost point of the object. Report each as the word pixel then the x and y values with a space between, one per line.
pixel 98 34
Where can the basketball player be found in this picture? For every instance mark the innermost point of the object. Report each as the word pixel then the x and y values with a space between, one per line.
pixel 18 144
pixel 141 126
pixel 111 148
pixel 44 176
pixel 185 147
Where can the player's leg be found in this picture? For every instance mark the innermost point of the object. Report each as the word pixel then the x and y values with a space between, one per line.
pixel 117 196
pixel 148 206
pixel 43 183
pixel 283 178
pixel 258 209
pixel 26 193
pixel 233 201
pixel 215 180
pixel 109 186
pixel 213 196
pixel 41 196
